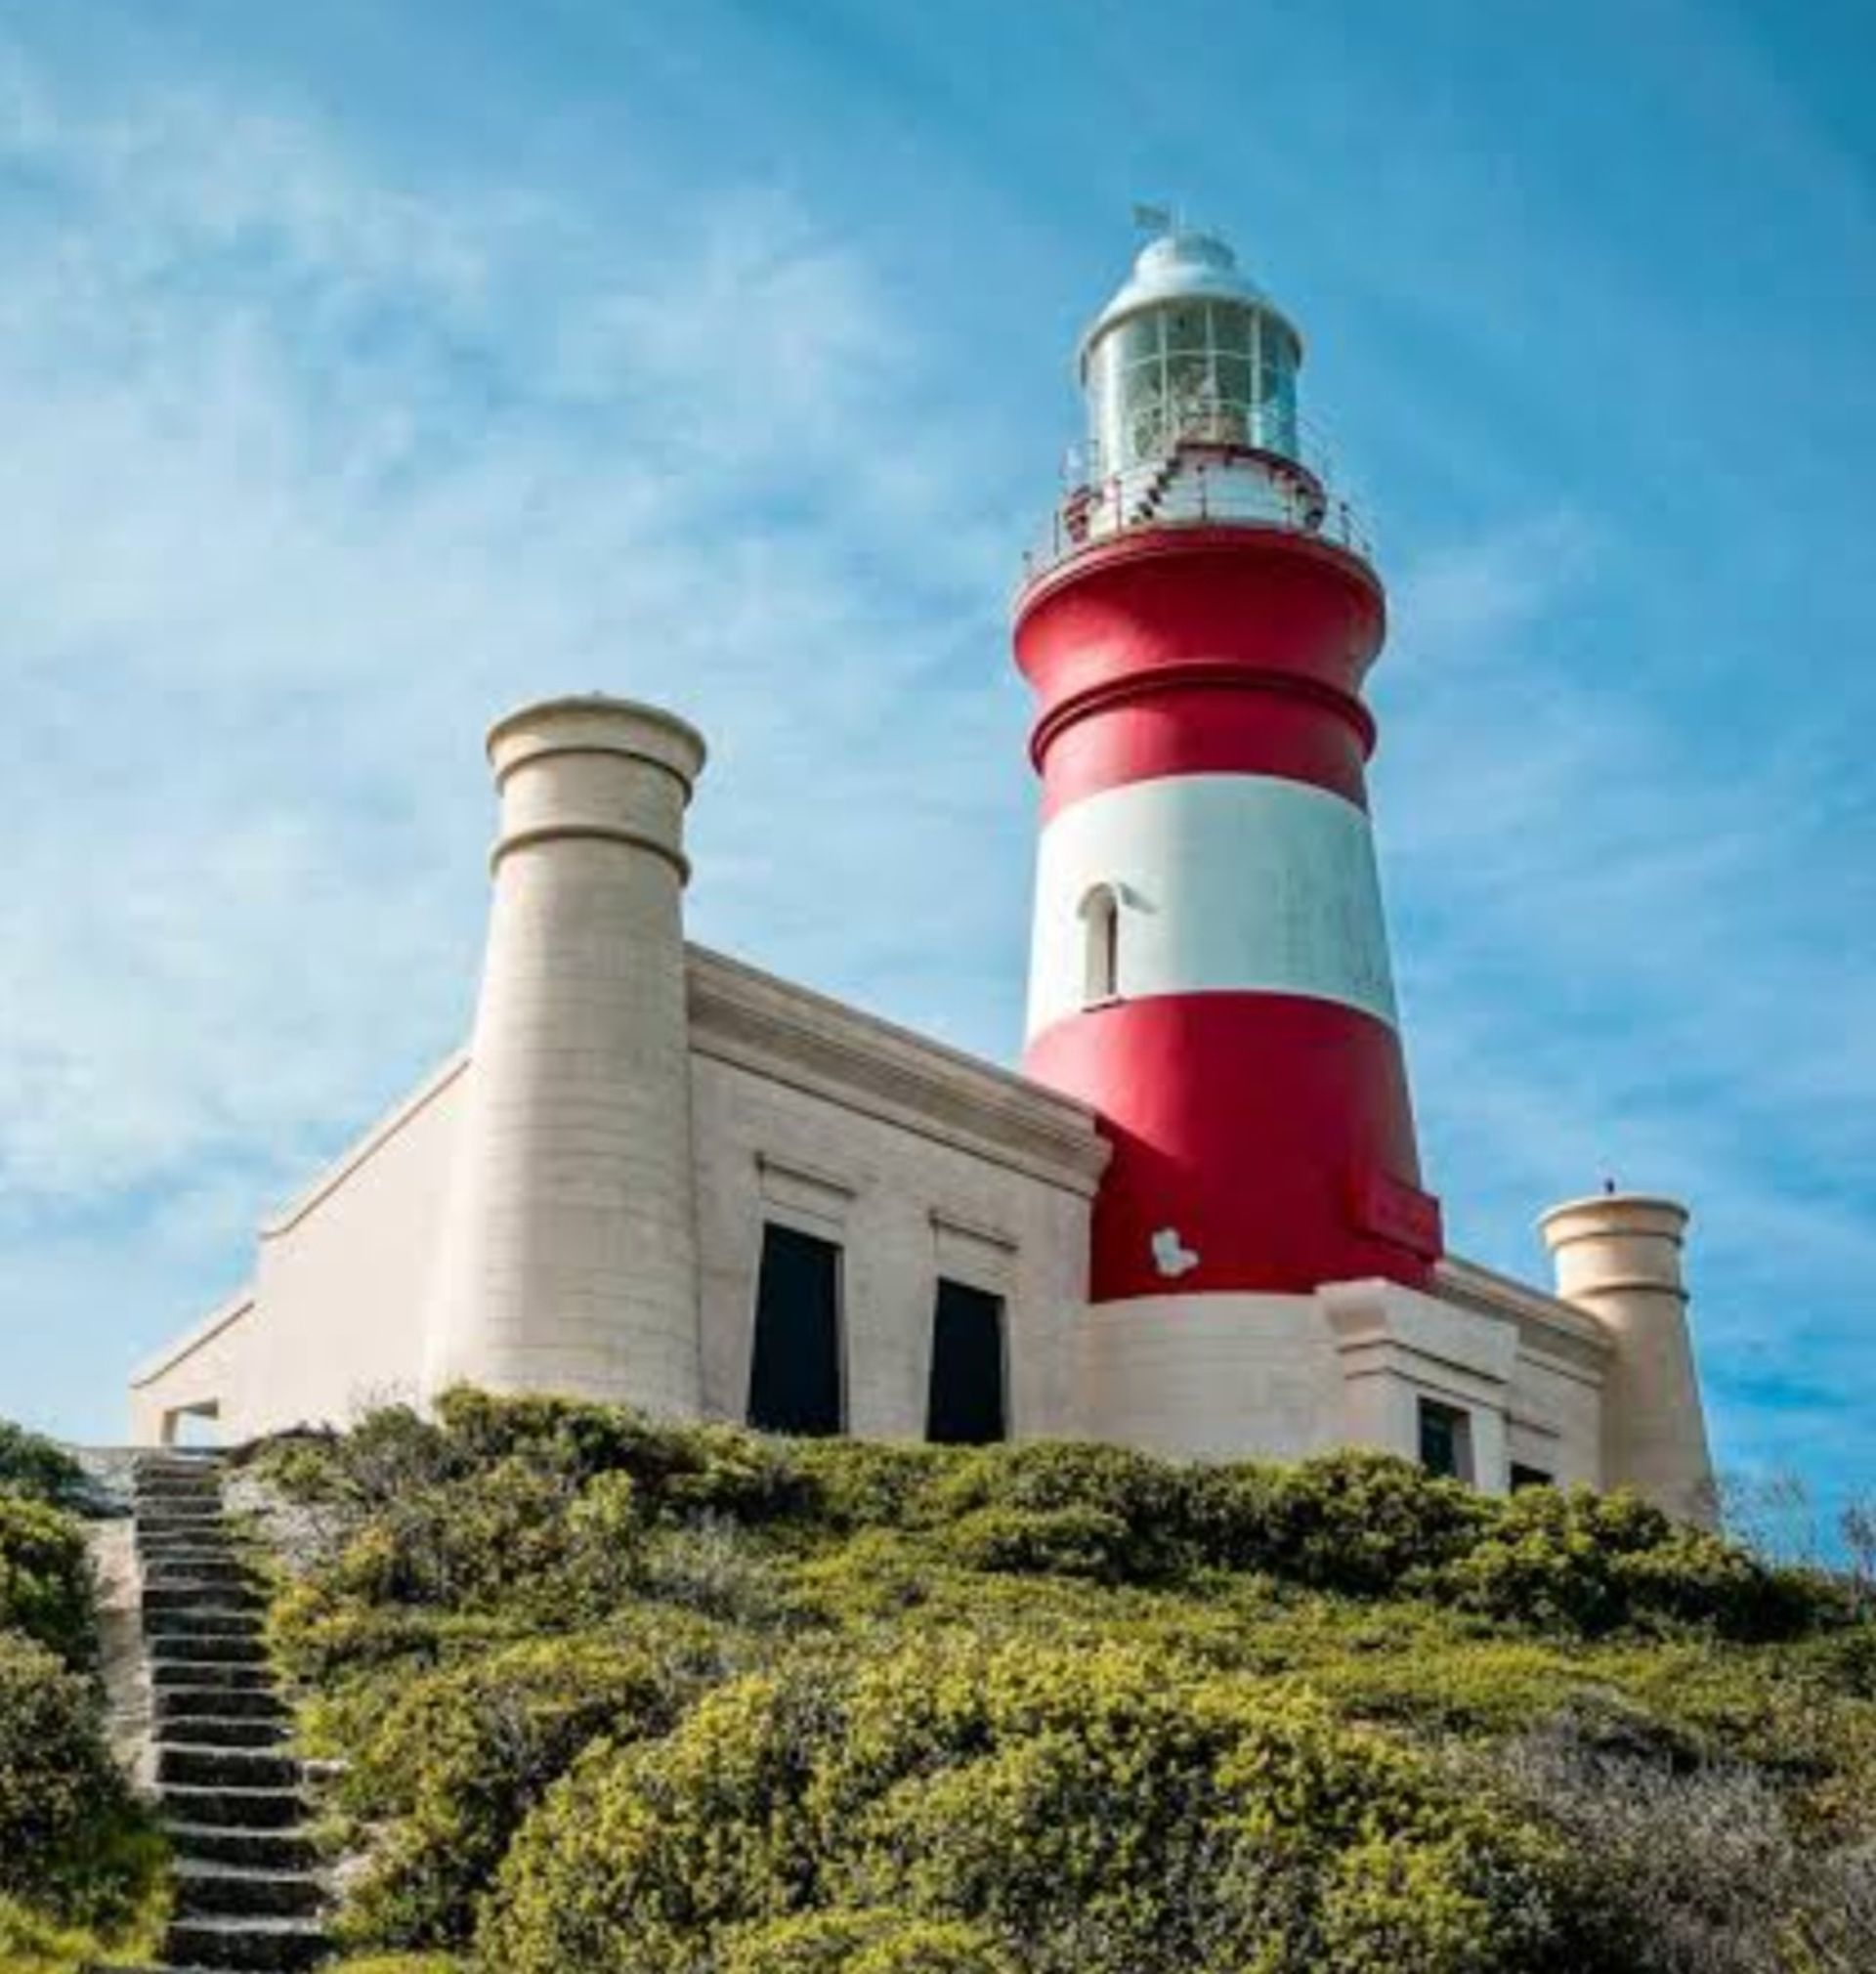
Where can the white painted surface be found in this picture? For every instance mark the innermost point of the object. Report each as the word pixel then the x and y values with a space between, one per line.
pixel 1227 882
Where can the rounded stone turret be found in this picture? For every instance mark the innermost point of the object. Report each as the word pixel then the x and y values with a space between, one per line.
pixel 1619 1257
pixel 568 1255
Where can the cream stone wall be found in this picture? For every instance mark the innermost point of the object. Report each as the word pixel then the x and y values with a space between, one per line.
pixel 345 1271
pixel 332 1321
pixel 203 1373
pixel 1208 1377
pixel 1618 1257
pixel 916 1160
pixel 1281 1377
pixel 1554 1399
pixel 569 1258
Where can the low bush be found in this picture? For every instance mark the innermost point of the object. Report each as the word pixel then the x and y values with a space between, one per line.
pixel 1043 1541
pixel 72 1841
pixel 1149 1502
pixel 396 1963
pixel 874 1942
pixel 677 1468
pixel 1595 1563
pixel 1358 1522
pixel 1684 1867
pixel 34 1466
pixel 459 1758
pixel 872 1483
pixel 45 1578
pixel 1080 1810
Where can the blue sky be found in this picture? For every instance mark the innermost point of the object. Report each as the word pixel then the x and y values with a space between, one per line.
pixel 366 367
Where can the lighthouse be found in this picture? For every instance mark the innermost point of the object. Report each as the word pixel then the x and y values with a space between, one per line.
pixel 1209 967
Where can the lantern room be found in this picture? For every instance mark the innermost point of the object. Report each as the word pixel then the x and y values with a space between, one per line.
pixel 1188 352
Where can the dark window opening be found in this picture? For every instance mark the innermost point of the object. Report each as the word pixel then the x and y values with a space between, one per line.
pixel 1530 1477
pixel 794 1375
pixel 966 1406
pixel 1445 1439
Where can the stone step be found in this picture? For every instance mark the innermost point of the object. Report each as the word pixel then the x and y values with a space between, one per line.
pixel 214 1650
pixel 209 1543
pixel 206 1621
pixel 221 1731
pixel 189 1667
pixel 202 1495
pixel 284 1850
pixel 163 1570
pixel 199 1596
pixel 246 1943
pixel 234 1808
pixel 232 1890
pixel 215 1703
pixel 205 1767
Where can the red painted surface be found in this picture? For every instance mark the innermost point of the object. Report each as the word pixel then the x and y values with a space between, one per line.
pixel 1273 1134
pixel 1258 1126
pixel 1201 719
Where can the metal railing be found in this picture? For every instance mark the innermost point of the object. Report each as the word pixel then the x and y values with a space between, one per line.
pixel 1200 482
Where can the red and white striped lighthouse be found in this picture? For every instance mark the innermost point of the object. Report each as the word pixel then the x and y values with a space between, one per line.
pixel 1210 967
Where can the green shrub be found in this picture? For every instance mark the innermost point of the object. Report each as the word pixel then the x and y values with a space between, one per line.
pixel 863 1942
pixel 1150 1501
pixel 72 1841
pixel 677 1468
pixel 1594 1563
pixel 458 1759
pixel 1355 1521
pixel 389 1454
pixel 1043 1541
pixel 466 1543
pixel 872 1483
pixel 320 1633
pixel 34 1466
pixel 397 1963
pixel 45 1579
pixel 1103 1809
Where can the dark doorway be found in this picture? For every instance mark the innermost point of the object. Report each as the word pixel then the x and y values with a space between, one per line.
pixel 965 1407
pixel 795 1377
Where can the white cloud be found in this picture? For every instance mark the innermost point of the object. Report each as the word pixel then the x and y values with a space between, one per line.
pixel 307 479
pixel 1621 962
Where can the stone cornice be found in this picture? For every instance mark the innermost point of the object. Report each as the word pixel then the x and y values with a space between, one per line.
pixel 1571 1338
pixel 218 1319
pixel 361 1149
pixel 792 1035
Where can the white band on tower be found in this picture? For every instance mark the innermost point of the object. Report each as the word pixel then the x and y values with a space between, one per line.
pixel 1222 883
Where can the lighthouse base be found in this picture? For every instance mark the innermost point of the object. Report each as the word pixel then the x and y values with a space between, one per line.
pixel 1283 1376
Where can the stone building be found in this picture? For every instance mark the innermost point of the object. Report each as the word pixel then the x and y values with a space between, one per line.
pixel 1195 1223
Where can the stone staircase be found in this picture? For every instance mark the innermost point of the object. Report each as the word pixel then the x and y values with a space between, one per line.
pixel 247 1896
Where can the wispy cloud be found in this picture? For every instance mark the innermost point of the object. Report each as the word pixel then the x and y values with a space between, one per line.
pixel 308 479
pixel 1613 964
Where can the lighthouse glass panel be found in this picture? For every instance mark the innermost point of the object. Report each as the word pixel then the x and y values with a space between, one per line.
pixel 1207 372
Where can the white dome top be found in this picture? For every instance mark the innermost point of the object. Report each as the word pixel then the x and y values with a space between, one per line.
pixel 1183 266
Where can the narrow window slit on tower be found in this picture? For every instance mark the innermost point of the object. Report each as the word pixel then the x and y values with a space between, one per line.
pixel 794 1372
pixel 966 1406
pixel 1101 936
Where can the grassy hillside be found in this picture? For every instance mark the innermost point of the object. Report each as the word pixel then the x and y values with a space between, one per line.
pixel 643 1701
pixel 80 1868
